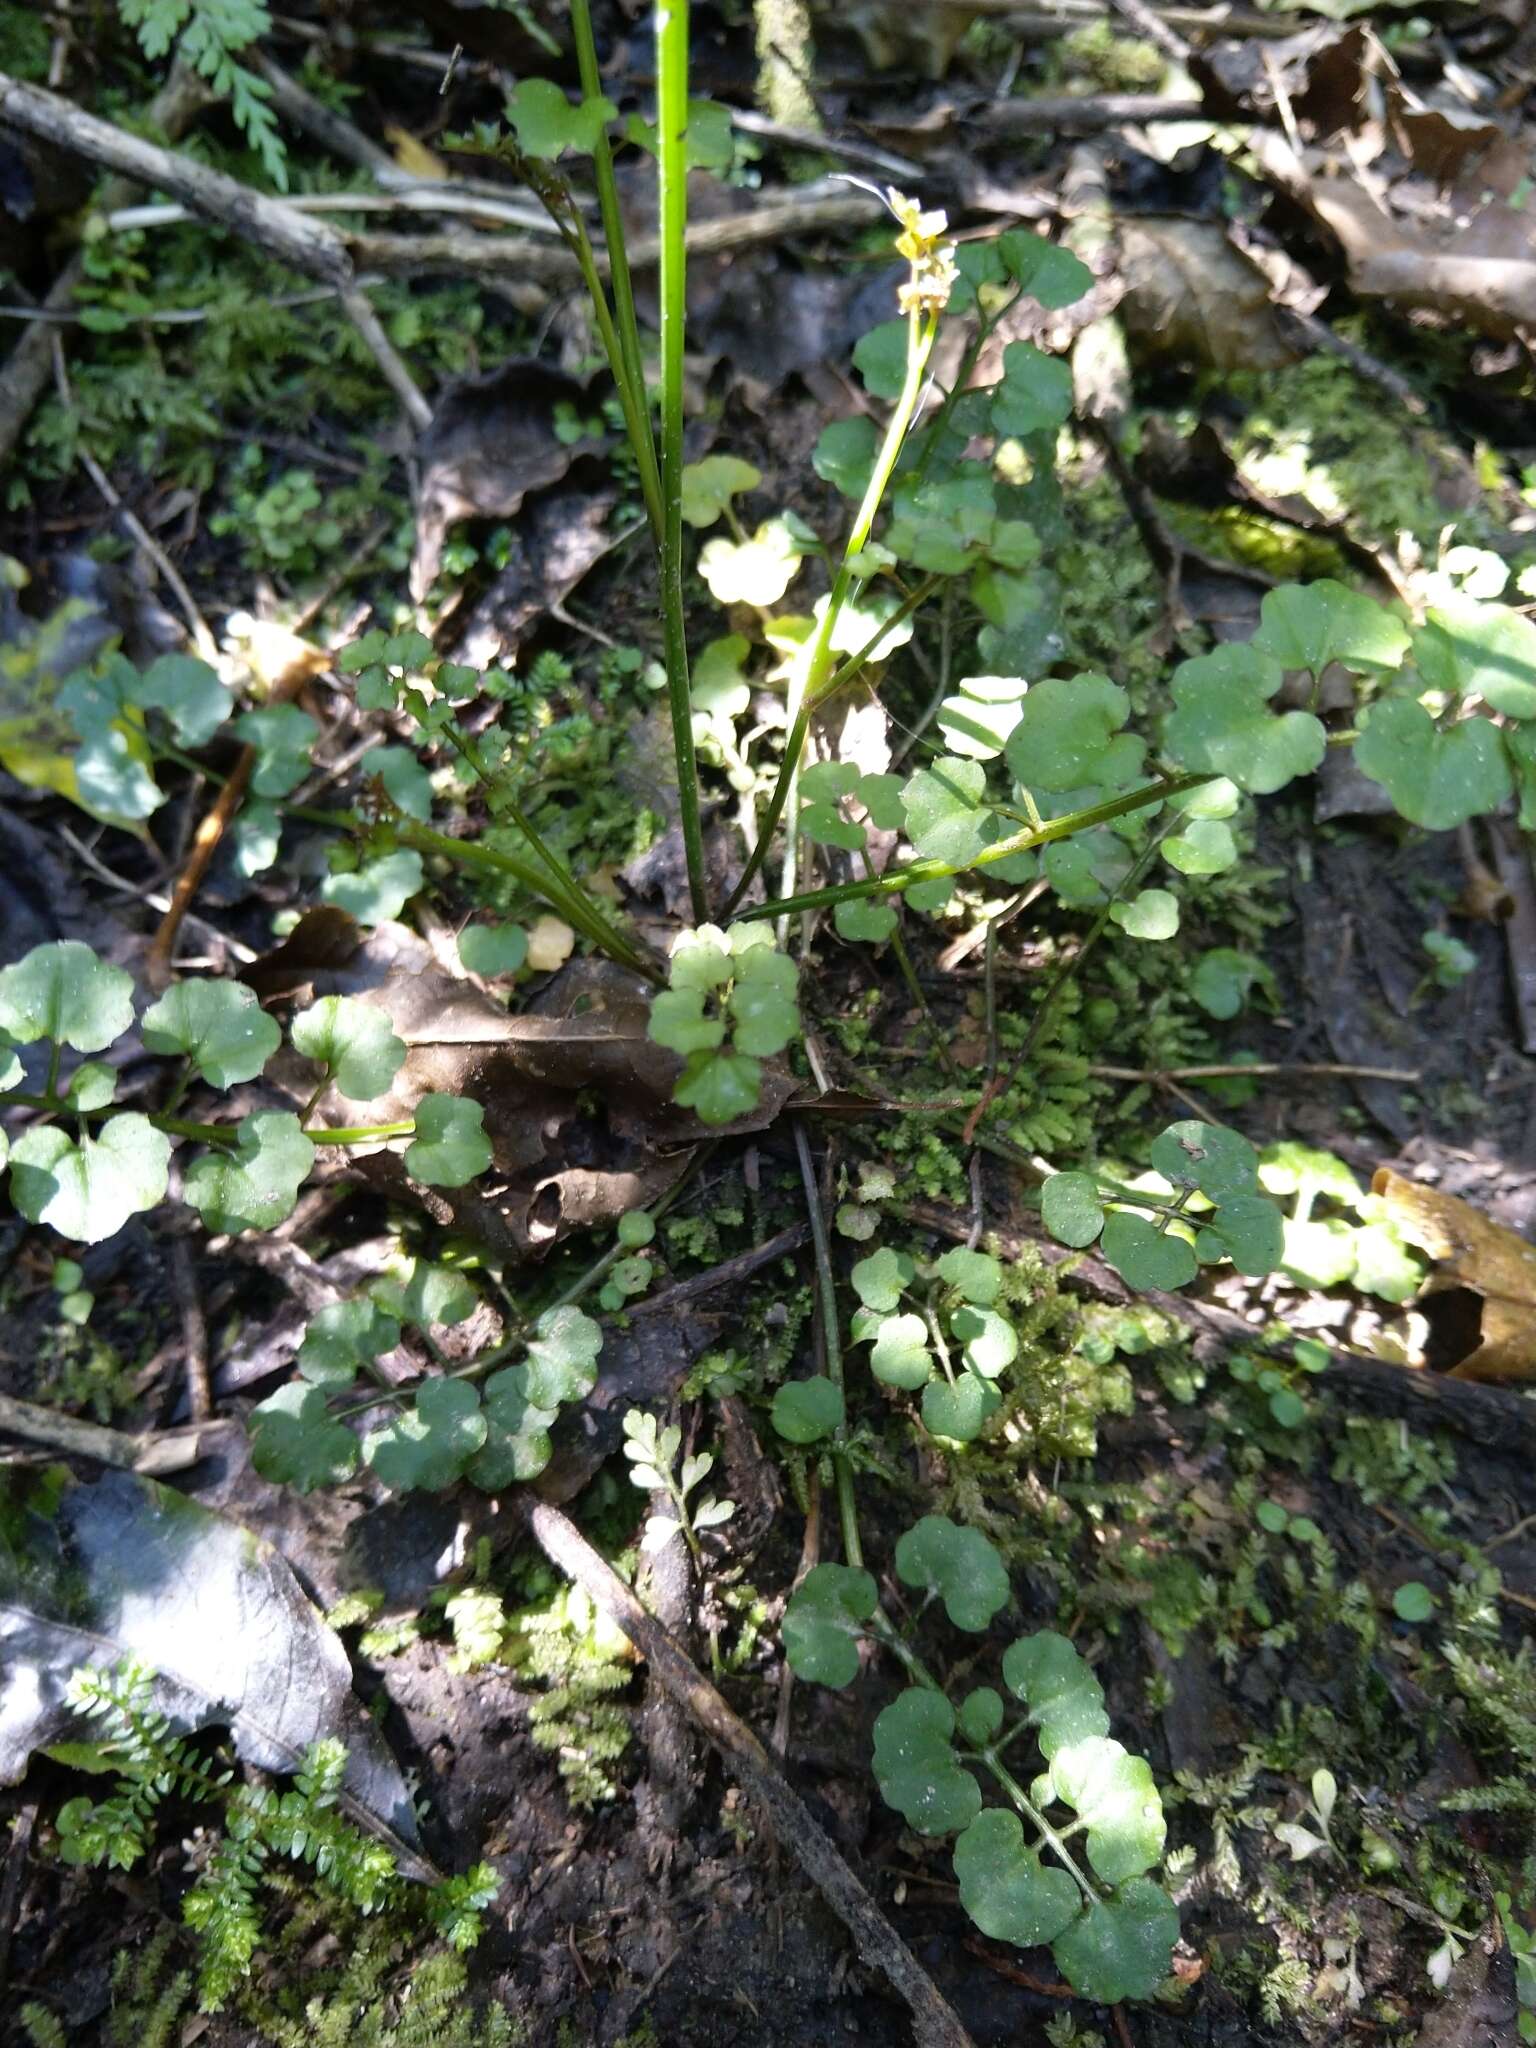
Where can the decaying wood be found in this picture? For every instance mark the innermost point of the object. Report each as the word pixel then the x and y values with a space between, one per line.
pixel 154 1454
pixel 878 1943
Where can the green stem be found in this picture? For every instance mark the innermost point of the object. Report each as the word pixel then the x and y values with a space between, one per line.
pixel 632 399
pixel 820 678
pixel 672 160
pixel 1002 849
pixel 360 1134
pixel 826 1286
pixel 1032 1813
pixel 572 904
pixel 640 436
pixel 208 1134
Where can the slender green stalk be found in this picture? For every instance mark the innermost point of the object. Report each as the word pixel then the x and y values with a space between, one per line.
pixel 826 1285
pixel 573 904
pixel 639 429
pixel 632 399
pixel 820 676
pixel 672 159
pixel 1003 849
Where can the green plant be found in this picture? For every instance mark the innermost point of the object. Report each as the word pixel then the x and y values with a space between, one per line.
pixel 652 1452
pixel 1522 1946
pixel 151 1763
pixel 208 36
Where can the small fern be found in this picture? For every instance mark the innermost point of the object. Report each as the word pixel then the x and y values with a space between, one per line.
pixel 207 35
pixel 301 1824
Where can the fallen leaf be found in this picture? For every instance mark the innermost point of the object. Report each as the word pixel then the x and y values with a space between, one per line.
pixel 123 1567
pixel 492 440
pixel 1470 1250
pixel 1190 294
pixel 413 156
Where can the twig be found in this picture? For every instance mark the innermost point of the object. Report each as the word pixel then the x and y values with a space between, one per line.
pixel 878 1943
pixel 10 1883
pixel 307 245
pixel 810 1556
pixel 1154 28
pixel 332 130
pixel 132 525
pixel 153 1453
pixel 724 1275
pixel 194 1331
pixel 1237 1070
pixel 1085 116
pixel 848 147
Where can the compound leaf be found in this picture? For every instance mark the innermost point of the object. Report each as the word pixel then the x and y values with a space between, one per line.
pixel 1122 1946
pixel 517 1445
pixel 1064 1698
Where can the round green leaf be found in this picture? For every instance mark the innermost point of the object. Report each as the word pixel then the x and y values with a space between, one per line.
pixel 517 1445
pixel 980 1715
pixel 916 1767
pixel 765 1014
pixel 92 1085
pixel 427 1295
pixel 87 1191
pixel 719 1086
pixel 1480 650
pixel 1113 1792
pixel 1034 393
pixel 1068 736
pixel 823 1623
pixel 1051 275
pixel 377 891
pixel 492 949
pixel 406 782
pixel 284 738
pixel 678 1022
pixel 112 780
pixel 805 1411
pixel 296 1442
pixel 901 1357
pixel 1151 914
pixel 343 1338
pixel 1271 1517
pixel 990 1341
pixel 1308 625
pixel 1145 1257
pixel 1204 847
pixel 63 992
pixel 845 455
pixel 188 691
pixel 450 1146
pixel 945 811
pixel 880 1280
pixel 1219 1162
pixel 562 1357
pixel 1005 1888
pixel 1221 723
pixel 1437 778
pixel 428 1447
pixel 960 1565
pixel 961 1411
pixel 1413 1601
pixel 755 571
pixel 255 1183
pixel 975 1276
pixel 1064 1698
pixel 1122 1946
pixel 354 1041
pixel 864 922
pixel 880 357
pixel 1070 1208
pixel 636 1229
pixel 709 486
pixel 1247 1229
pixel 1222 979
pixel 218 1025
pixel 547 123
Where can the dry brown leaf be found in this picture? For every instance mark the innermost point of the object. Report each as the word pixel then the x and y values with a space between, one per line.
pixel 1190 294
pixel 412 155
pixel 1470 1250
